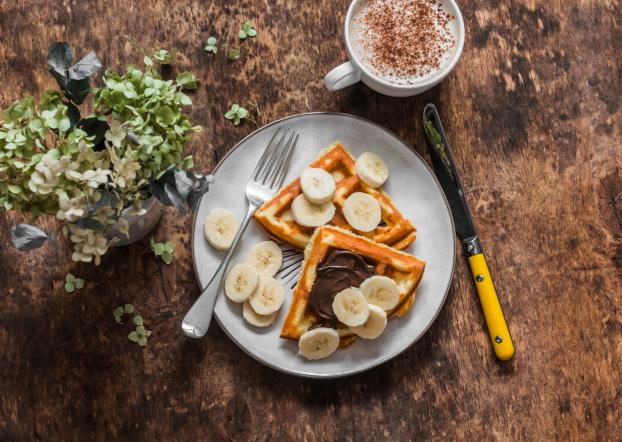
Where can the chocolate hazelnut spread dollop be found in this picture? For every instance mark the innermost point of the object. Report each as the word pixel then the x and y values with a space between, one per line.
pixel 341 269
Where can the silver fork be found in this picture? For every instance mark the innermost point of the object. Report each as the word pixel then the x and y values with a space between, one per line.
pixel 263 185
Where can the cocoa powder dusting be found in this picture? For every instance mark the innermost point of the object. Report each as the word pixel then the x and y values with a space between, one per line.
pixel 403 40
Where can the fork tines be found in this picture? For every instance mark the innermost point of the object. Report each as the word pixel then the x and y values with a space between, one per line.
pixel 272 166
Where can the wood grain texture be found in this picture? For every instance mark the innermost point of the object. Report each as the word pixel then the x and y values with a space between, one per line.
pixel 533 113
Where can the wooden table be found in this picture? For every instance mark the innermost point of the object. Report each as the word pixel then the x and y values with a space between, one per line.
pixel 533 112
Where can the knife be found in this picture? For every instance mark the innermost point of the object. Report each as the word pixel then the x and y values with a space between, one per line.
pixel 445 170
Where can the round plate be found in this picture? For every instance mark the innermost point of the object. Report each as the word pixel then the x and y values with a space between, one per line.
pixel 413 188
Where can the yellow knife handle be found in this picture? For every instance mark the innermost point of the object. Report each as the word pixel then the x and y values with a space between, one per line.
pixel 497 327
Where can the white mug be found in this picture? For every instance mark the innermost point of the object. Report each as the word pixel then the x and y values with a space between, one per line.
pixel 353 71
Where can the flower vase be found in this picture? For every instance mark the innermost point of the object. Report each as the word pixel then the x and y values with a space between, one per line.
pixel 139 225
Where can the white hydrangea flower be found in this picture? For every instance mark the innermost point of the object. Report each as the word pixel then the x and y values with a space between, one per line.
pixel 123 226
pixel 89 245
pixel 71 209
pixel 136 209
pixel 47 174
pixel 93 178
pixel 116 134
pixel 105 215
pixel 125 172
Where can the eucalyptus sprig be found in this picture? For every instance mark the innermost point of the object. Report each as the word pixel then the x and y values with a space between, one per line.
pixel 163 250
pixel 165 57
pixel 212 45
pixel 140 333
pixel 233 53
pixel 121 310
pixel 236 114
pixel 72 283
pixel 247 31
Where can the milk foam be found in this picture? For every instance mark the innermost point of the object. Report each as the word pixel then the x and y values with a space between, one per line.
pixel 358 31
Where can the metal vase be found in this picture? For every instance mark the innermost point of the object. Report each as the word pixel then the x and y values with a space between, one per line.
pixel 140 225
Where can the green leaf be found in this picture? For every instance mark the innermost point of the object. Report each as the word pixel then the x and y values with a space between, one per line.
pixel 242 113
pixel 148 61
pixel 186 80
pixel 230 114
pixel 128 308
pixel 242 34
pixel 236 119
pixel 69 287
pixel 167 257
pixel 133 336
pixel 118 313
pixel 14 189
pixel 79 283
pixel 142 341
pixel 233 54
pixel 164 56
pixel 168 246
pixel 248 30
pixel 138 320
pixel 140 330
pixel 70 278
pixel 212 41
pixel 158 249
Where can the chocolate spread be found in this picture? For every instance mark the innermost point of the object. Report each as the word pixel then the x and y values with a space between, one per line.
pixel 340 270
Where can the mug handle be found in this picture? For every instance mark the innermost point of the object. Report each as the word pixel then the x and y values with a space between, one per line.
pixel 342 76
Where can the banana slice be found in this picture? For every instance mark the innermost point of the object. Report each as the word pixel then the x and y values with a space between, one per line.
pixel 220 227
pixel 257 320
pixel 241 282
pixel 381 291
pixel 375 324
pixel 350 307
pixel 318 343
pixel 266 257
pixel 268 296
pixel 362 211
pixel 318 186
pixel 311 215
pixel 371 169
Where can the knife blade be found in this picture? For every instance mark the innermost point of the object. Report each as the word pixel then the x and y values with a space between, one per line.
pixel 447 175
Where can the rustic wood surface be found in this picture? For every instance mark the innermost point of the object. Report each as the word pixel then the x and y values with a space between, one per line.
pixel 533 112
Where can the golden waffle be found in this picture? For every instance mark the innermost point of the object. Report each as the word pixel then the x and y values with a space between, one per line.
pixel 275 215
pixel 404 269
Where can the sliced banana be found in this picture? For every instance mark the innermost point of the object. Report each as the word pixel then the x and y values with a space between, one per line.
pixel 241 282
pixel 375 324
pixel 257 320
pixel 219 228
pixel 350 307
pixel 268 296
pixel 311 215
pixel 266 257
pixel 362 211
pixel 371 169
pixel 318 186
pixel 318 343
pixel 381 291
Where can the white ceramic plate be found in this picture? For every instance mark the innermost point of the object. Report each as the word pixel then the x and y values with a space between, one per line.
pixel 413 188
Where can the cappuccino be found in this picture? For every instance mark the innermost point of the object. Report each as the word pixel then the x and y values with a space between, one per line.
pixel 403 41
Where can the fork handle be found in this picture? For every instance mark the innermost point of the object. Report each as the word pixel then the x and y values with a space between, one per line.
pixel 198 318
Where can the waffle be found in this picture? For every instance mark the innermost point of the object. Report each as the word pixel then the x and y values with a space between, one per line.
pixel 404 269
pixel 275 215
